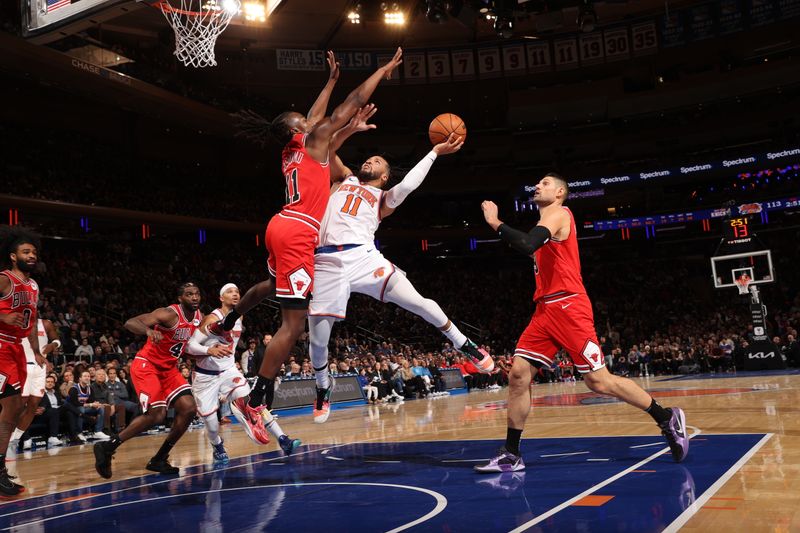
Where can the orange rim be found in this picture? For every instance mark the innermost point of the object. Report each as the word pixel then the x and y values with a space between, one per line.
pixel 167 8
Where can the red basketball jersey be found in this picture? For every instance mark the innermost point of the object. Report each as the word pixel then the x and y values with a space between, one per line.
pixel 21 299
pixel 308 183
pixel 165 353
pixel 557 266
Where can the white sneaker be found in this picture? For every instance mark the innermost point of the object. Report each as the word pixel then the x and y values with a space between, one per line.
pixel 100 435
pixel 81 437
pixel 27 444
pixel 54 441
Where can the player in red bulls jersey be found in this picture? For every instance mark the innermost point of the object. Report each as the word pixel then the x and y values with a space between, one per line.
pixel 293 233
pixel 157 380
pixel 19 295
pixel 563 319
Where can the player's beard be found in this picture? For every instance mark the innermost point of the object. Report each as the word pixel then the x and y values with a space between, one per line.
pixel 25 267
pixel 365 176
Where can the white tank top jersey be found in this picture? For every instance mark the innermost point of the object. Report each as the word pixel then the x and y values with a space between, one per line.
pixel 352 215
pixel 220 363
pixel 26 345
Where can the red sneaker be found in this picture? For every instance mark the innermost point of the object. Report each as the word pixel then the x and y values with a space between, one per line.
pixel 250 419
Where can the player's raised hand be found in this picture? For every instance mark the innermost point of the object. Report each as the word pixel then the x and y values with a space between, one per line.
pixel 333 65
pixel 490 213
pixel 395 62
pixel 451 145
pixel 13 319
pixel 362 116
pixel 220 350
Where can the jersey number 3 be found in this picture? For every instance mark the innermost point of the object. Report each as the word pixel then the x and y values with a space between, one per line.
pixel 351 205
pixel 292 192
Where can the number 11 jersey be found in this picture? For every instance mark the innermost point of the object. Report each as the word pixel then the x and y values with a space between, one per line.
pixel 353 214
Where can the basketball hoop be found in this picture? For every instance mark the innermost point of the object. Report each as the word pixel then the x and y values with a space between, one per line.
pixel 197 24
pixel 743 283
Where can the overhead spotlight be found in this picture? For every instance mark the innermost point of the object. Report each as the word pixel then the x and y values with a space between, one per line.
pixel 392 14
pixel 436 11
pixel 587 16
pixel 254 12
pixel 504 26
pixel 354 16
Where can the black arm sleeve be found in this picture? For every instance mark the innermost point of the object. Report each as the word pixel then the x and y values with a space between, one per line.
pixel 525 243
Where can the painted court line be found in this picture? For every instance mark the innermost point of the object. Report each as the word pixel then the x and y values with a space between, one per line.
pixel 646 445
pixel 699 502
pixel 441 501
pixel 160 481
pixel 562 454
pixel 600 460
pixel 544 516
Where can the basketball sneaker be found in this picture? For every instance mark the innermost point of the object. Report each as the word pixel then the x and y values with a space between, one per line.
pixel 216 329
pixel 162 466
pixel 220 455
pixel 8 487
pixel 674 430
pixel 251 420
pixel 288 444
pixel 322 406
pixel 479 357
pixel 505 461
pixel 103 454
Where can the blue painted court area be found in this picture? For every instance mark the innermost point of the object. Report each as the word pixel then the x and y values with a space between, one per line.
pixel 572 484
pixel 739 374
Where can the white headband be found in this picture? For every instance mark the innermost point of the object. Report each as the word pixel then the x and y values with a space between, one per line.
pixel 226 287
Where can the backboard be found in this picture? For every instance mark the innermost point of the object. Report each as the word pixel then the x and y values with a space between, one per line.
pixel 725 269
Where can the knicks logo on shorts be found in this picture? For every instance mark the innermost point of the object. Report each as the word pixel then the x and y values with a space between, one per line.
pixel 237 379
pixel 379 273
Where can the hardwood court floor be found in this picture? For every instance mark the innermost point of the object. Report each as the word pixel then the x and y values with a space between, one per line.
pixel 758 492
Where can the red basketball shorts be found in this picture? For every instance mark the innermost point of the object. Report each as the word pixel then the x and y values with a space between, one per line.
pixel 291 243
pixel 13 368
pixel 564 322
pixel 157 387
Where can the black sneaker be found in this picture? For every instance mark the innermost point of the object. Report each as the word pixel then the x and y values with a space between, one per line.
pixel 103 454
pixel 162 466
pixel 8 487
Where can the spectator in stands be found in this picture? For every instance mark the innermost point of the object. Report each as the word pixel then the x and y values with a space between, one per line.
pixel 365 380
pixel 248 357
pixel 67 381
pixel 103 395
pixel 468 380
pixel 51 411
pixel 80 405
pixel 123 406
pixel 84 350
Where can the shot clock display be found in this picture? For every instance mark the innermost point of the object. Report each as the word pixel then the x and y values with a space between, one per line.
pixel 737 228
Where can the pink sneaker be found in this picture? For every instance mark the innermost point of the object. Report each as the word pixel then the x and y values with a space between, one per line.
pixel 479 357
pixel 250 419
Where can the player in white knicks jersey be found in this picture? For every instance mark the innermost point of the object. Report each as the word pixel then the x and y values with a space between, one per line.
pixel 33 390
pixel 216 377
pixel 347 261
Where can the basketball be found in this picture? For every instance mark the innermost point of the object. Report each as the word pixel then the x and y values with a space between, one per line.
pixel 442 126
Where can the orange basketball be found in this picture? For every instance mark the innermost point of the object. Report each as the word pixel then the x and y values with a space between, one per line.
pixel 442 126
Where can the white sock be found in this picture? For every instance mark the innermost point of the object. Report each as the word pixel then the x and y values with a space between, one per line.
pixel 273 427
pixel 212 428
pixel 456 337
pixel 319 334
pixel 17 434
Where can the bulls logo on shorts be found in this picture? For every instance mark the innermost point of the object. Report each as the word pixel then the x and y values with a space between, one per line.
pixel 144 401
pixel 300 282
pixel 593 354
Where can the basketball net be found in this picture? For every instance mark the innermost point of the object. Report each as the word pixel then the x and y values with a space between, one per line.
pixel 743 283
pixel 197 24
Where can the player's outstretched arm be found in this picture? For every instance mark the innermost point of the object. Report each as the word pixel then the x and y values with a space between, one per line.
pixel 143 324
pixel 320 106
pixel 358 123
pixel 318 142
pixel 416 175
pixel 525 243
pixel 197 342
